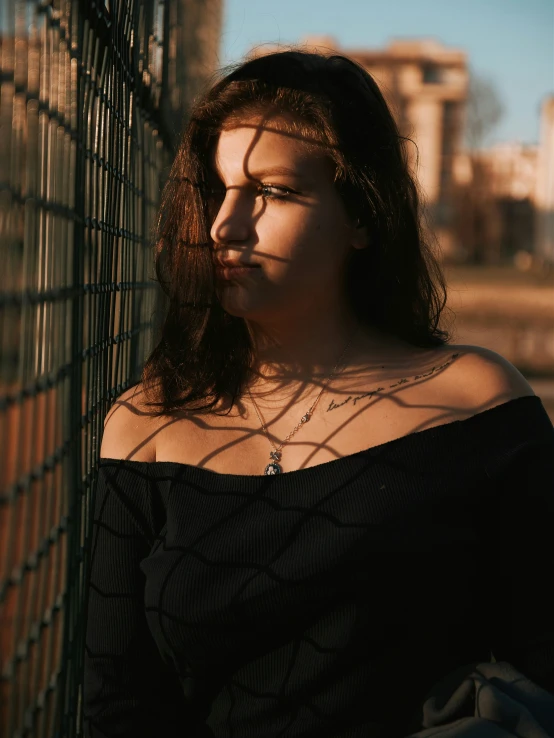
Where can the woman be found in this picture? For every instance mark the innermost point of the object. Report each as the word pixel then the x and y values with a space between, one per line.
pixel 392 538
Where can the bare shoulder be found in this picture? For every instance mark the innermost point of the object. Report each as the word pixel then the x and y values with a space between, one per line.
pixel 483 378
pixel 129 428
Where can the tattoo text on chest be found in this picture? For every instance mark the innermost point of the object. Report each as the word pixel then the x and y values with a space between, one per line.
pixel 355 398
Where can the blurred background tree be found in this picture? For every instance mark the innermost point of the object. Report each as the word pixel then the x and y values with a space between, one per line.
pixel 484 110
pixel 479 217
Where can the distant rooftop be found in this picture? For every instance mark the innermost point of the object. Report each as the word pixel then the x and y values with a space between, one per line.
pixel 402 49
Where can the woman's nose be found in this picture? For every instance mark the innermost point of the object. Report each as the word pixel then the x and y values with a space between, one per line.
pixel 232 221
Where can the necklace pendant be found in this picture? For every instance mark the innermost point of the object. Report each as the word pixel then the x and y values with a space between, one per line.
pixel 273 468
pixel 275 455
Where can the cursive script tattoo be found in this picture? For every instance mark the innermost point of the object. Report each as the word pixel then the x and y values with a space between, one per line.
pixel 334 405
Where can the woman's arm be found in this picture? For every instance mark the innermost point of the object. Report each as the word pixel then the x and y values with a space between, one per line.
pixel 518 517
pixel 127 690
pixel 521 564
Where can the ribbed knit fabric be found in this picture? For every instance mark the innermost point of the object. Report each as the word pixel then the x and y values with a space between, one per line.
pixel 322 602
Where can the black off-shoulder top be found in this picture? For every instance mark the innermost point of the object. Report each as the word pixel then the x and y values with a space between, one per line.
pixel 322 602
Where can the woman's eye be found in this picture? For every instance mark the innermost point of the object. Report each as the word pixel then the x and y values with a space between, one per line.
pixel 268 191
pixel 282 192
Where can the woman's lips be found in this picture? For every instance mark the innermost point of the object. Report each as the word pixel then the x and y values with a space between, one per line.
pixel 234 272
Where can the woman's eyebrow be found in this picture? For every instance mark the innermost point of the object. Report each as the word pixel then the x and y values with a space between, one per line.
pixel 277 170
pixel 268 171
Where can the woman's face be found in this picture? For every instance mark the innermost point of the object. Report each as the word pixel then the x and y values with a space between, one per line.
pixel 291 224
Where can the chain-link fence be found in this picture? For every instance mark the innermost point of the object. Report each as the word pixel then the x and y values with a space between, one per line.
pixel 91 94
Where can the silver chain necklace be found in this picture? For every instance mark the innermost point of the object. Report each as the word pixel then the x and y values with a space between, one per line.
pixel 275 456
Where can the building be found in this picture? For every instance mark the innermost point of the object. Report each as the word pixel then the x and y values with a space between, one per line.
pixel 512 184
pixel 513 170
pixel 544 192
pixel 510 171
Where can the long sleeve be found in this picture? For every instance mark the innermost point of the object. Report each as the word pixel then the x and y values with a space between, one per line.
pixel 127 689
pixel 521 559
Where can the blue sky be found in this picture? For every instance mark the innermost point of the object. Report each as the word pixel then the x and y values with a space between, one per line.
pixel 509 42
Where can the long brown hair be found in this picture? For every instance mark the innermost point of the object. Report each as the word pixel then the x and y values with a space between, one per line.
pixel 396 284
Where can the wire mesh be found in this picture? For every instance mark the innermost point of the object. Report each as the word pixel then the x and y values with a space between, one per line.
pixel 85 139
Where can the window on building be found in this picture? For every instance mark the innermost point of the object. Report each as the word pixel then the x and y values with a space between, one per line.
pixel 432 74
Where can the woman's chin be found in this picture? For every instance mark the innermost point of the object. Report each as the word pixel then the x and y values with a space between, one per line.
pixel 233 305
